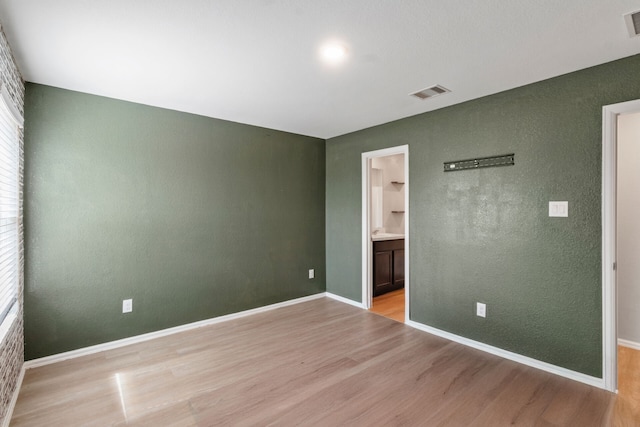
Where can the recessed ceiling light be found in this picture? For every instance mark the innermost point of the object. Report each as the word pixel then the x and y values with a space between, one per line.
pixel 333 52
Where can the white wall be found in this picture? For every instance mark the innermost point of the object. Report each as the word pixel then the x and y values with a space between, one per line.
pixel 393 194
pixel 628 273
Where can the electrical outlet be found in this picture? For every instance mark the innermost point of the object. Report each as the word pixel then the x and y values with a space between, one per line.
pixel 127 305
pixel 481 309
pixel 312 273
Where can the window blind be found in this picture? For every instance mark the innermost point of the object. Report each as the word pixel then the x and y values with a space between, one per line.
pixel 9 207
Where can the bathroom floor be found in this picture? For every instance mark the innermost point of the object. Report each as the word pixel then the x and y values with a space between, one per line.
pixel 390 305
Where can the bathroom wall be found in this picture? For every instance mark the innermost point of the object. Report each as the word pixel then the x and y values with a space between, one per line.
pixel 393 195
pixel 628 257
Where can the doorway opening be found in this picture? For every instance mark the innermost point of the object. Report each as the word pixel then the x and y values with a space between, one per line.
pixel 385 232
pixel 620 274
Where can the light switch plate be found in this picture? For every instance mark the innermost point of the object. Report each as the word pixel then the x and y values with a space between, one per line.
pixel 481 309
pixel 127 305
pixel 312 273
pixel 559 209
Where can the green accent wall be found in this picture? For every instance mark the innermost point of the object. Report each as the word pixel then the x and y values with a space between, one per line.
pixel 192 217
pixel 485 235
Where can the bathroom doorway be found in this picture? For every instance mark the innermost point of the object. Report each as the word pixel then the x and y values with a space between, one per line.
pixel 385 232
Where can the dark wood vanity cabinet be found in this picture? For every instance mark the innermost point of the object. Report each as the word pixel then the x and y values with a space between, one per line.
pixel 388 266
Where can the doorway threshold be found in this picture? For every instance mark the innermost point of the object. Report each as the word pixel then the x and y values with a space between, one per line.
pixel 390 305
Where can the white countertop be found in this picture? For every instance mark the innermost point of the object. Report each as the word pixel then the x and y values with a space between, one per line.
pixel 386 236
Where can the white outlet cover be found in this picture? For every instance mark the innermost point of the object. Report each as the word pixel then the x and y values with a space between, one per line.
pixel 481 309
pixel 127 305
pixel 559 209
pixel 312 273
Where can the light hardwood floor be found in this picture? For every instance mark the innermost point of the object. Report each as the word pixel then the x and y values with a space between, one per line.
pixel 319 363
pixel 390 305
pixel 627 406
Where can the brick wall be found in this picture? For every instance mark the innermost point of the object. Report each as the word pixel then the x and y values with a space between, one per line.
pixel 12 345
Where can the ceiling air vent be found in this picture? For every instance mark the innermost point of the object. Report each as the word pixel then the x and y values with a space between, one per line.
pixel 430 92
pixel 633 23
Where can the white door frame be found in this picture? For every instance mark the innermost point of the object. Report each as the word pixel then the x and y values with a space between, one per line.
pixel 367 246
pixel 610 115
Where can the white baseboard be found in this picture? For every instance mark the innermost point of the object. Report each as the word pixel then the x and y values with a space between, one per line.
pixel 162 333
pixel 557 370
pixel 534 363
pixel 631 344
pixel 14 399
pixel 344 300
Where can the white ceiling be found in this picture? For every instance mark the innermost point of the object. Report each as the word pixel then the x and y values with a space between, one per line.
pixel 256 61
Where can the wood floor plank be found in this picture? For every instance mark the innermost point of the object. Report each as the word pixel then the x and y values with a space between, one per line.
pixel 412 393
pixel 566 403
pixel 520 402
pixel 353 400
pixel 292 398
pixel 317 363
pixel 390 305
pixel 465 406
pixel 627 405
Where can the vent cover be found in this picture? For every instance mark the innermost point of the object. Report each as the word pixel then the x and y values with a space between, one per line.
pixel 633 23
pixel 481 162
pixel 430 92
